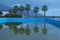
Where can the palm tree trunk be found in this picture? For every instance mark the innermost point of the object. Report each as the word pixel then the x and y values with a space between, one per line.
pixel 27 14
pixel 27 25
pixel 45 20
pixel 21 25
pixel 15 12
pixel 36 17
pixel 44 24
pixel 21 13
pixel 27 17
pixel 21 16
pixel 36 24
pixel 44 14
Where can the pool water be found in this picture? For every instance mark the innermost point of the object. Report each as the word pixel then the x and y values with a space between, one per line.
pixel 52 26
pixel 50 21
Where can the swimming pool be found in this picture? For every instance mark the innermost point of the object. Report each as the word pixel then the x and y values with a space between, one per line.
pixel 47 20
pixel 52 26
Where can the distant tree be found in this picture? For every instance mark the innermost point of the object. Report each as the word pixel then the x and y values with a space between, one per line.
pixel 36 10
pixel 1 13
pixel 21 9
pixel 7 15
pixel 15 15
pixel 10 11
pixel 15 9
pixel 44 8
pixel 27 8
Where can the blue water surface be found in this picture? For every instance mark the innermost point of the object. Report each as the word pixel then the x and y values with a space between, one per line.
pixel 47 20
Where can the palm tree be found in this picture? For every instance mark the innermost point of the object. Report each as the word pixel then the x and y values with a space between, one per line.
pixel 21 29
pixel 10 11
pixel 36 10
pixel 1 13
pixel 27 30
pixel 15 9
pixel 44 8
pixel 1 26
pixel 7 15
pixel 27 8
pixel 21 9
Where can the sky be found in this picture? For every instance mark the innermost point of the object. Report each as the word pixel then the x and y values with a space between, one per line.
pixel 53 5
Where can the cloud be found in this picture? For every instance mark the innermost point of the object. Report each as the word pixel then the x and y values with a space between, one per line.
pixel 53 5
pixel 51 1
pixel 39 3
pixel 18 5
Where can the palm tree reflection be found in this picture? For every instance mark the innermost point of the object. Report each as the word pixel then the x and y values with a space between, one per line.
pixel 36 29
pixel 1 26
pixel 9 25
pixel 21 30
pixel 15 29
pixel 13 26
pixel 27 30
pixel 44 30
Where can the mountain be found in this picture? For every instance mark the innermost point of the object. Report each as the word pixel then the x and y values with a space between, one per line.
pixel 30 14
pixel 4 7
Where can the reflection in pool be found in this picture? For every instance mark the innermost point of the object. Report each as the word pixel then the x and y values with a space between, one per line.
pixel 24 31
pixel 50 21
